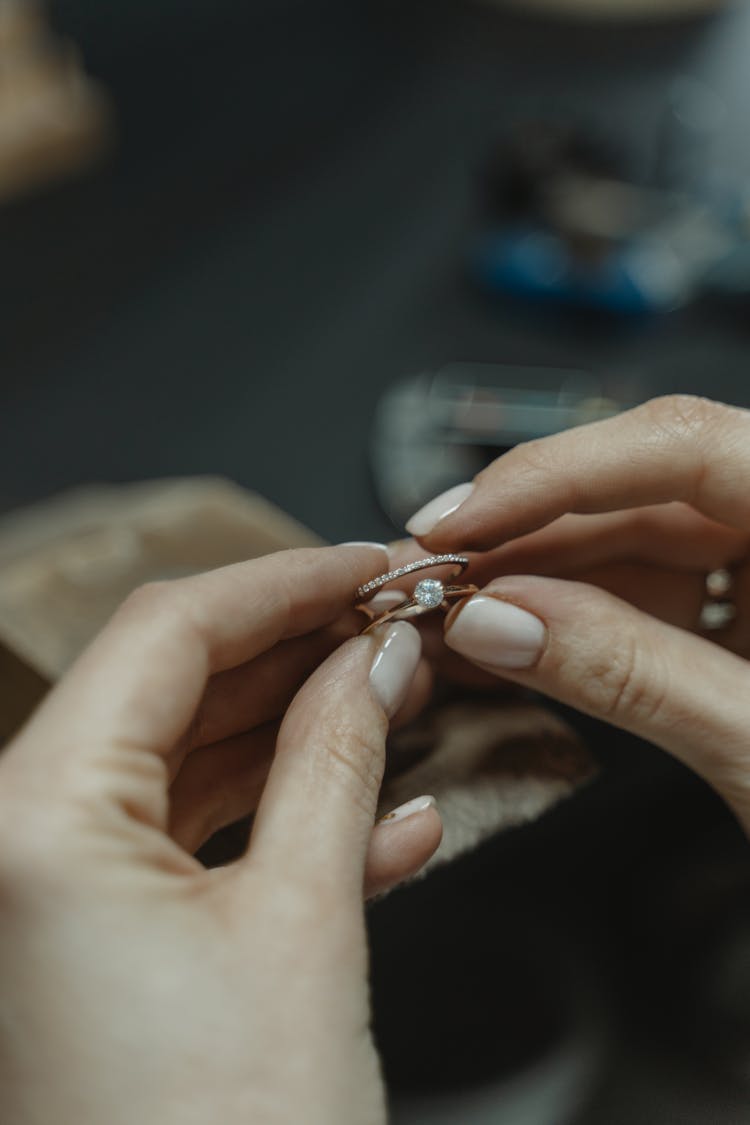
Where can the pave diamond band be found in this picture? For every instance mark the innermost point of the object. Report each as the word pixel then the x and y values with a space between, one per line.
pixel 369 588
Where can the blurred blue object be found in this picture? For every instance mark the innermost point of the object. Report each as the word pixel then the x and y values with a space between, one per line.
pixel 657 271
pixel 635 278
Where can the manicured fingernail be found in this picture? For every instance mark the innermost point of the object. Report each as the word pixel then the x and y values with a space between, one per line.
pixel 423 521
pixel 417 804
pixel 394 665
pixel 496 633
pixel 364 543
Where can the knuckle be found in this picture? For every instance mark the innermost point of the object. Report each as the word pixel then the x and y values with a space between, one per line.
pixel 533 457
pixel 148 600
pixel 684 415
pixel 626 686
pixel 162 610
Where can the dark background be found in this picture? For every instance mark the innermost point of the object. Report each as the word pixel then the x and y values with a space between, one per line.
pixel 276 239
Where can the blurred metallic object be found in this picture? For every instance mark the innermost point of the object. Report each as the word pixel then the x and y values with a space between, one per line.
pixel 434 430
pixel 54 121
pixel 616 9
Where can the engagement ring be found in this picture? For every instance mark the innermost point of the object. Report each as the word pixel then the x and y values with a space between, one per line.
pixel 429 593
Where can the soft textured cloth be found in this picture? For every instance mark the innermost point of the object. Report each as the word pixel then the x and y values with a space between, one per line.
pixel 489 765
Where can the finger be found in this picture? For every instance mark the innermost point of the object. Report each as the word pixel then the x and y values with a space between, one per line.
pixel 673 596
pixel 138 685
pixel 401 843
pixel 417 697
pixel 219 785
pixel 657 558
pixel 674 448
pixel 668 535
pixel 222 782
pixel 596 653
pixel 255 693
pixel 317 809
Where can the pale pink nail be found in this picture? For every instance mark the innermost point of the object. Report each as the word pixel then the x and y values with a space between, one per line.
pixel 394 665
pixel 497 634
pixel 423 521
pixel 416 805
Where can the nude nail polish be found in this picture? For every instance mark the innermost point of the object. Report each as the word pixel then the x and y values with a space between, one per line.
pixel 416 805
pixel 364 543
pixel 497 634
pixel 394 665
pixel 427 518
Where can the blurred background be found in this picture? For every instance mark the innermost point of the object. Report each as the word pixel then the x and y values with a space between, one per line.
pixel 342 254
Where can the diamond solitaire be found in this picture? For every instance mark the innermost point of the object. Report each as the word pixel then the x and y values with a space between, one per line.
pixel 430 593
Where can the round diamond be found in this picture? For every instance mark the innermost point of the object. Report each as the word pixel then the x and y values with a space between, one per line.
pixel 429 593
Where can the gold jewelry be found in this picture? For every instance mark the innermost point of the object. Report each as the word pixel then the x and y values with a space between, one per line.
pixel 429 593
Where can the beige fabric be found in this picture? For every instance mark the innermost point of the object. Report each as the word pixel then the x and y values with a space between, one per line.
pixel 490 765
pixel 67 563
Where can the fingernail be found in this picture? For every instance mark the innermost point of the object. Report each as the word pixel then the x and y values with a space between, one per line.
pixel 496 633
pixel 394 665
pixel 417 804
pixel 364 543
pixel 423 521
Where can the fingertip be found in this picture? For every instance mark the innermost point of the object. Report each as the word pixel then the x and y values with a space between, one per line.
pixel 417 697
pixel 496 633
pixel 395 664
pixel 401 844
pixel 424 521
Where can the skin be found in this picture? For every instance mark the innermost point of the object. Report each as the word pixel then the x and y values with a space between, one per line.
pixel 137 986
pixel 606 533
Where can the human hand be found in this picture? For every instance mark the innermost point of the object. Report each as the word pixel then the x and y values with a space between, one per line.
pixel 604 535
pixel 134 984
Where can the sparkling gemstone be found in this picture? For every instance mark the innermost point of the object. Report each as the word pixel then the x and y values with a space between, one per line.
pixel 429 593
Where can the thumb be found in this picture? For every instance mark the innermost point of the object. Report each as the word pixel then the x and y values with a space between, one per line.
pixel 589 649
pixel 317 811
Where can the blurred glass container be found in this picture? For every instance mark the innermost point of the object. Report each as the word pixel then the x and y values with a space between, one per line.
pixel 436 429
